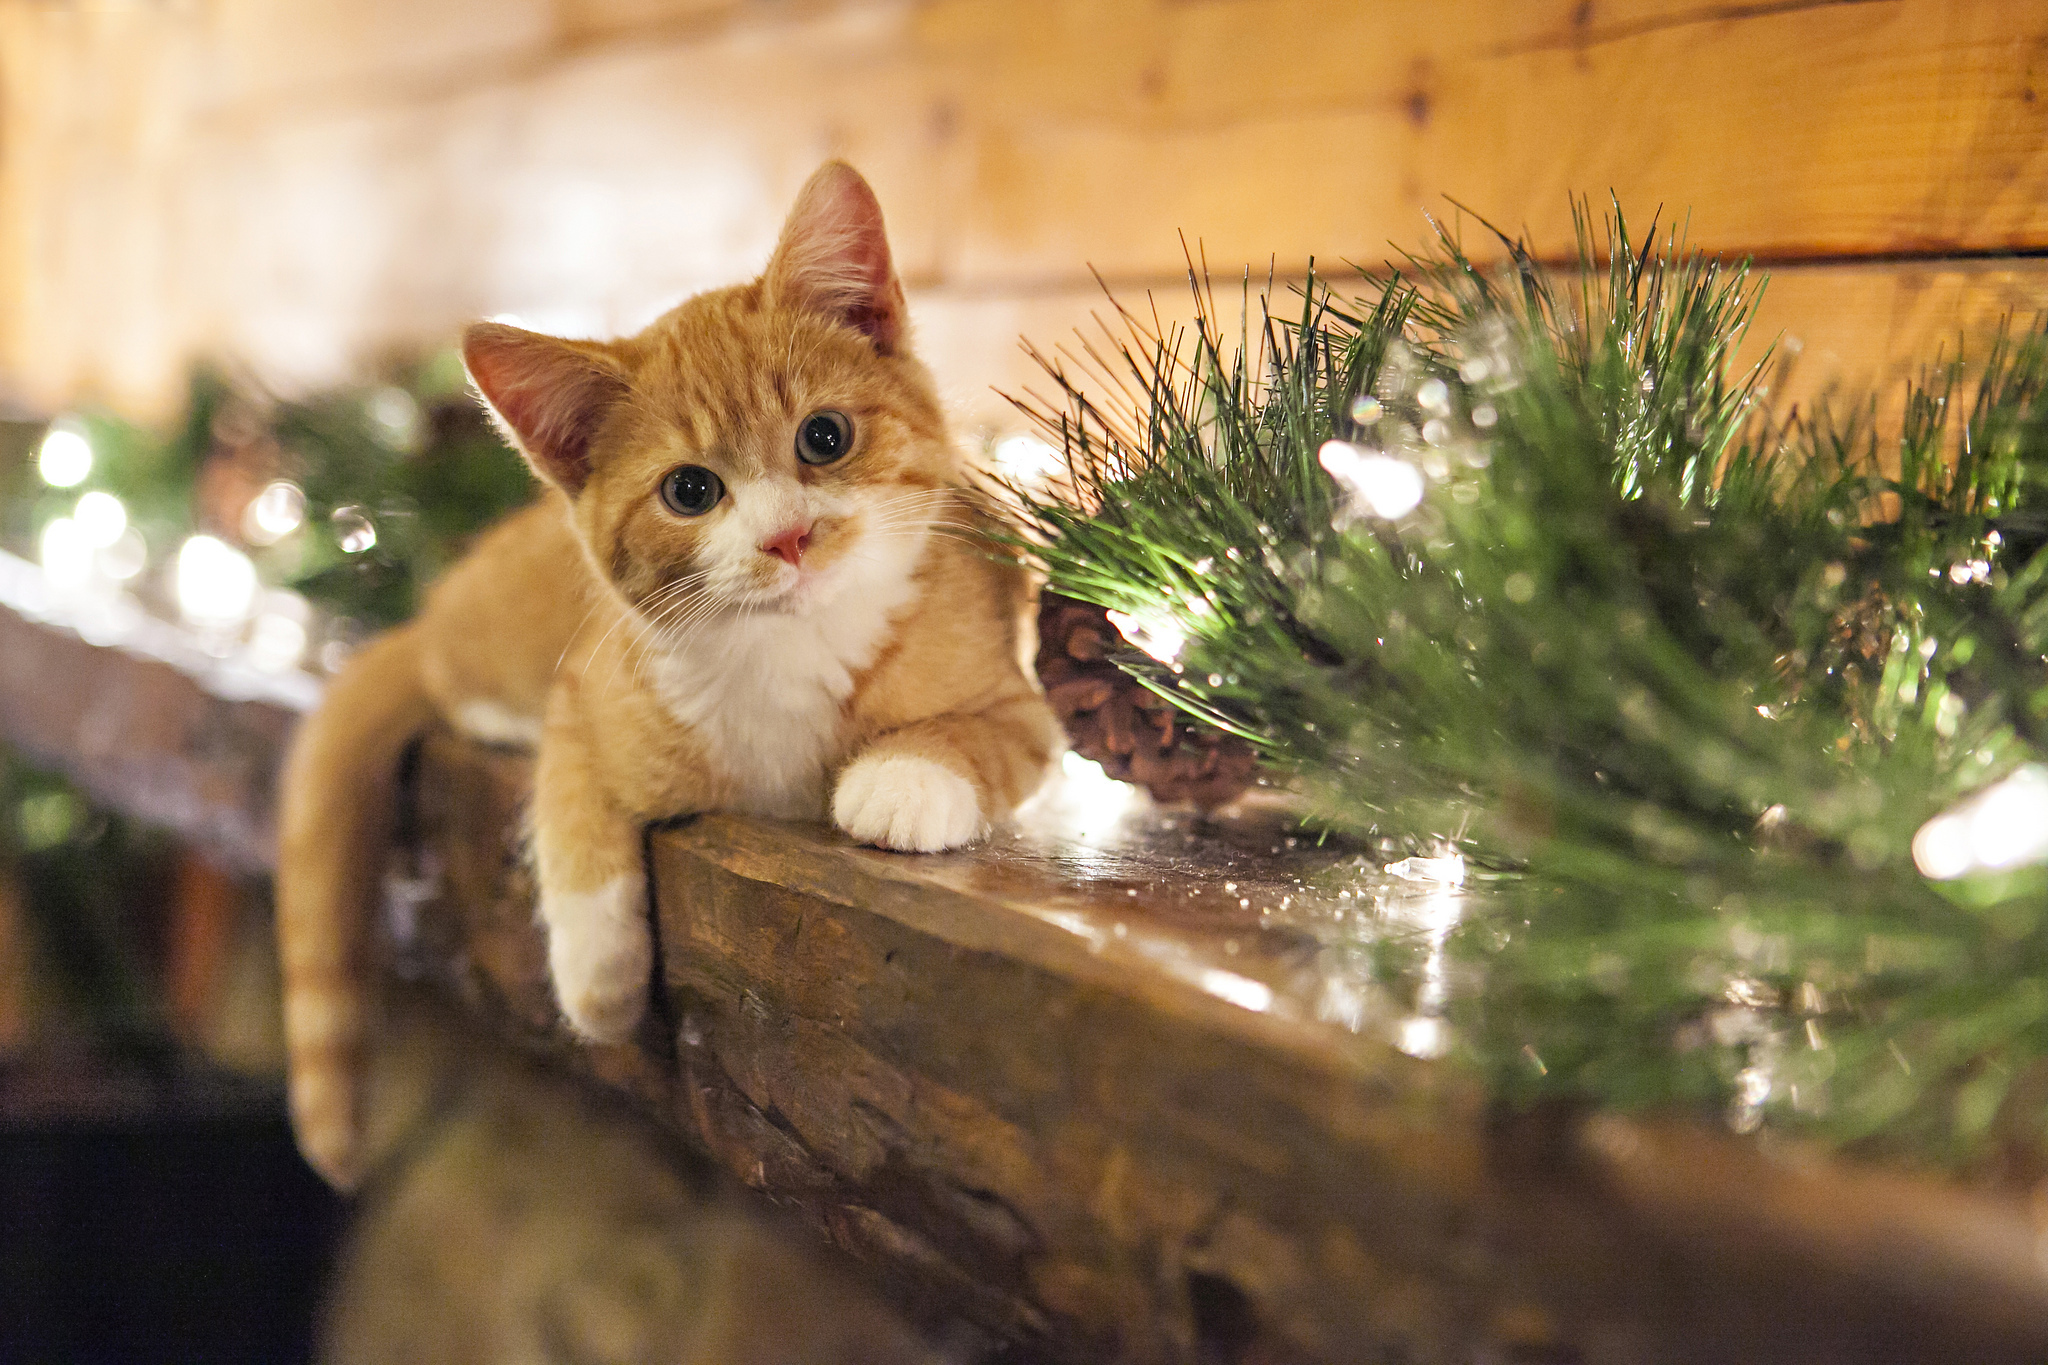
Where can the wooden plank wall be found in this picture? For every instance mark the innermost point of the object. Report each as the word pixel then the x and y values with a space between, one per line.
pixel 305 184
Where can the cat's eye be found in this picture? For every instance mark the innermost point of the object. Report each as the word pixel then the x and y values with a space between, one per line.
pixel 692 490
pixel 824 436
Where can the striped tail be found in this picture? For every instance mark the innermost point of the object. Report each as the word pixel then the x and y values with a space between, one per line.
pixel 335 827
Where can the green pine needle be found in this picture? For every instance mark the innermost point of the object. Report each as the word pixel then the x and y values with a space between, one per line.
pixel 1690 674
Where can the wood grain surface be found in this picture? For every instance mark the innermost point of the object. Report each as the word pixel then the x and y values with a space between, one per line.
pixel 143 719
pixel 304 185
pixel 1112 1085
pixel 1116 1087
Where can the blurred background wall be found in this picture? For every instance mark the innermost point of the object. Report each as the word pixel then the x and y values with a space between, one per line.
pixel 303 185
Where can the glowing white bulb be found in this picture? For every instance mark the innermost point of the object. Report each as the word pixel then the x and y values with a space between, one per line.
pixel 1941 849
pixel 1158 636
pixel 65 458
pixel 216 583
pixel 2000 828
pixel 1387 487
pixel 1027 459
pixel 2010 825
pixel 102 519
pixel 66 554
pixel 274 513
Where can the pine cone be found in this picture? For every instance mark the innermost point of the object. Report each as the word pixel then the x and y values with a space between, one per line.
pixel 1133 733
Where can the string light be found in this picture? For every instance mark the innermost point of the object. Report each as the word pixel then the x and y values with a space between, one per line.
pixel 101 519
pixel 2000 828
pixel 274 513
pixel 1387 487
pixel 1027 460
pixel 216 583
pixel 1159 636
pixel 66 554
pixel 65 458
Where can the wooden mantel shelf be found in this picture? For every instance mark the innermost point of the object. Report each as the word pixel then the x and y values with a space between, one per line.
pixel 1114 1086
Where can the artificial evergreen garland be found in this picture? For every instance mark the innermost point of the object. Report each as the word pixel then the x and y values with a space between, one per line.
pixel 1740 716
pixel 355 497
pixel 372 488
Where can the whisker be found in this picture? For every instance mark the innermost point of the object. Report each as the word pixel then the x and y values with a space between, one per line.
pixel 965 535
pixel 625 615
pixel 627 612
pixel 673 632
pixel 676 588
pixel 570 643
pixel 625 650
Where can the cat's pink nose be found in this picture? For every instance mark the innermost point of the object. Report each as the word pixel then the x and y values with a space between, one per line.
pixel 789 546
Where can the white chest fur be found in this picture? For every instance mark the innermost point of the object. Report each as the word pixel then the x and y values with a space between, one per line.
pixel 766 693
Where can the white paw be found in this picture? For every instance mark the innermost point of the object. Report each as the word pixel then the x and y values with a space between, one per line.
pixel 911 804
pixel 599 954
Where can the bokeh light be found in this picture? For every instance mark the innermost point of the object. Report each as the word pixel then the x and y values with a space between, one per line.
pixel 396 415
pixel 353 530
pixel 2000 828
pixel 66 554
pixel 216 583
pixel 277 637
pixel 101 518
pixel 1159 636
pixel 274 513
pixel 1027 460
pixel 125 558
pixel 1387 487
pixel 65 458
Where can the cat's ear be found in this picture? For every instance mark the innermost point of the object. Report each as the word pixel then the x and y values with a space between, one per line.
pixel 833 258
pixel 549 396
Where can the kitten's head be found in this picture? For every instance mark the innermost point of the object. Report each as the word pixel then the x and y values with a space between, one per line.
pixel 766 447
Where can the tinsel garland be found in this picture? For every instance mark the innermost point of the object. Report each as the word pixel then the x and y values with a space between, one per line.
pixel 1738 717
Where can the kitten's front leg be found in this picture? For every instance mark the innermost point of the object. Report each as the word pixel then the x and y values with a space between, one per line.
pixel 938 783
pixel 593 888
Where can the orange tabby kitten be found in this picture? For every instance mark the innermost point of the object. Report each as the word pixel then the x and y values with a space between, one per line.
pixel 745 590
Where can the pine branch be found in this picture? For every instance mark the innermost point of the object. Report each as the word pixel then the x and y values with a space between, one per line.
pixel 1689 675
